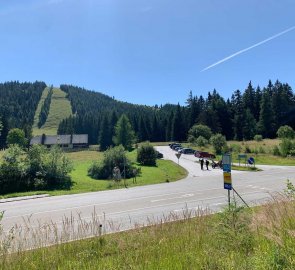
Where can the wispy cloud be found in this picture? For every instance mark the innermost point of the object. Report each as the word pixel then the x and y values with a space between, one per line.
pixel 249 48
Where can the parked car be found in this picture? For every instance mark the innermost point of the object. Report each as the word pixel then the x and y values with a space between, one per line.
pixel 187 151
pixel 173 144
pixel 200 154
pixel 176 145
pixel 177 148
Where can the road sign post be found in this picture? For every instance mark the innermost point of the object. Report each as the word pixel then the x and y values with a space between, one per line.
pixel 178 156
pixel 226 165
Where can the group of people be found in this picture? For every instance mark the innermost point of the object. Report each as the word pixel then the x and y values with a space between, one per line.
pixel 206 163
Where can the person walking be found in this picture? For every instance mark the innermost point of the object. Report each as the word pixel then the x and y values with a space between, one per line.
pixel 202 163
pixel 207 164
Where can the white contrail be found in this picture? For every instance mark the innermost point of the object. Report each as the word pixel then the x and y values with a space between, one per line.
pixel 249 48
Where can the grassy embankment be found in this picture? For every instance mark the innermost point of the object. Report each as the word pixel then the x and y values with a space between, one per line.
pixel 60 108
pixel 164 172
pixel 261 151
pixel 260 238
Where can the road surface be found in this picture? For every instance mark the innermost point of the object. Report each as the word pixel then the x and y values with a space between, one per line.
pixel 77 216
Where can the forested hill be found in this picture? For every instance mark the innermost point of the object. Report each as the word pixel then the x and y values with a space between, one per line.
pixel 249 112
pixel 91 109
pixel 255 110
pixel 18 102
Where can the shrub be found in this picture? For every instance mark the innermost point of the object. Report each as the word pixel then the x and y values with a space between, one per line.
pixel 258 138
pixel 276 151
pixel 261 150
pixel 201 141
pixel 199 130
pixel 112 157
pixel 146 155
pixel 37 168
pixel 218 141
pixel 247 149
pixel 235 148
pixel 286 147
pixel 16 136
pixel 286 132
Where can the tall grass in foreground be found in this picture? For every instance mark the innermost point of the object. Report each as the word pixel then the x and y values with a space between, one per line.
pixel 237 238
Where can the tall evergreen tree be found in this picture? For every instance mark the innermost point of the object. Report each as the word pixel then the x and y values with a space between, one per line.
pixel 238 114
pixel 265 125
pixel 124 134
pixel 105 139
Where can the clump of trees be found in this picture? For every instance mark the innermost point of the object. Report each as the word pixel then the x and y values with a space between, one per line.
pixel 146 155
pixel 113 157
pixel 201 135
pixel 16 136
pixel 34 169
pixel 45 108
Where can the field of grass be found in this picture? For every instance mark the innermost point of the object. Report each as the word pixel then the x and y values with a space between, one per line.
pixel 166 171
pixel 261 151
pixel 60 108
pixel 246 239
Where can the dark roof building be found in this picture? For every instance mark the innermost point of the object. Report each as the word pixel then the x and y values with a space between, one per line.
pixel 67 141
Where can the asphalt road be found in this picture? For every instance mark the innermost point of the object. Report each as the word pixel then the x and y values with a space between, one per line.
pixel 123 209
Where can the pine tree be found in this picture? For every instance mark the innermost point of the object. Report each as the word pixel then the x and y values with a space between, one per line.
pixel 105 139
pixel 124 133
pixel 265 125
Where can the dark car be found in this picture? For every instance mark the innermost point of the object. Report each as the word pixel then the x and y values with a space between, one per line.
pixel 176 145
pixel 200 154
pixel 187 151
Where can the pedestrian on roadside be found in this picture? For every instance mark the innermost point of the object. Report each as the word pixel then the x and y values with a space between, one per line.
pixel 202 163
pixel 207 164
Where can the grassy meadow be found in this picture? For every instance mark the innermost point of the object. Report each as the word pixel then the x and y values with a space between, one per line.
pixel 165 171
pixel 60 108
pixel 237 238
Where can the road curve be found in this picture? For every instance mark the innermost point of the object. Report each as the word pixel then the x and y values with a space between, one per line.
pixel 125 208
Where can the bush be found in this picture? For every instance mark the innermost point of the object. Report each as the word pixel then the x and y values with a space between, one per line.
pixel 218 141
pixel 286 147
pixel 146 155
pixel 247 149
pixel 16 136
pixel 199 130
pixel 258 138
pixel 286 132
pixel 201 141
pixel 38 168
pixel 235 148
pixel 276 151
pixel 112 157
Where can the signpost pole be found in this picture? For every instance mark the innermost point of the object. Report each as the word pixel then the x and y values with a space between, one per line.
pixel 226 165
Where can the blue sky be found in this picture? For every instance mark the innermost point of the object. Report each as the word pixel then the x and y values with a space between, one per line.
pixel 148 52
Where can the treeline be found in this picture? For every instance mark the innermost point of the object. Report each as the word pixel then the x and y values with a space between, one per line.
pixel 256 111
pixel 18 103
pixel 96 114
pixel 45 108
pixel 253 111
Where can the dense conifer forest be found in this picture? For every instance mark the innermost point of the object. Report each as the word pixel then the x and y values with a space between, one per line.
pixel 248 112
pixel 18 103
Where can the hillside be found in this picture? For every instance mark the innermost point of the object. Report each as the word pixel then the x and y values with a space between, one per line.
pixel 60 108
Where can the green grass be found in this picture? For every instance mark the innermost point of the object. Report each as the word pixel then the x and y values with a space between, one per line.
pixel 245 168
pixel 258 239
pixel 164 172
pixel 60 108
pixel 261 151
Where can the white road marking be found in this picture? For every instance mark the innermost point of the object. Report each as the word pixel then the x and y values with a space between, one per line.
pixel 166 199
pixel 136 209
